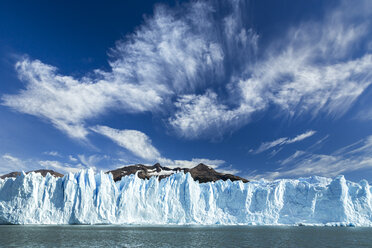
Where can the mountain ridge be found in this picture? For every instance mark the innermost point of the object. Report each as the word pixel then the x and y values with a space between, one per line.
pixel 202 173
pixel 41 171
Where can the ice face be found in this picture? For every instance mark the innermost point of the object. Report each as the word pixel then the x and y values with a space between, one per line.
pixel 88 198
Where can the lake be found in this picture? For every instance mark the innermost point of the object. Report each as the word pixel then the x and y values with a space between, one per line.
pixel 183 236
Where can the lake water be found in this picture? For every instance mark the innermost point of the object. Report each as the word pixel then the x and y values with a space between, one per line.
pixel 183 236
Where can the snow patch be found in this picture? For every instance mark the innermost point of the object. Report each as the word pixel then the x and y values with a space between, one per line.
pixel 161 173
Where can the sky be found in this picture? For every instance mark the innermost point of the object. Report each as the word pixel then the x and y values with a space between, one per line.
pixel 260 89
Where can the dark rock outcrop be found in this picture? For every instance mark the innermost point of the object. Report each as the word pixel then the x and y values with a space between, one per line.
pixel 42 172
pixel 204 173
pixel 201 173
pixel 144 172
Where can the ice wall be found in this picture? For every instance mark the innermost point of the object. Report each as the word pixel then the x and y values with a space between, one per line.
pixel 88 198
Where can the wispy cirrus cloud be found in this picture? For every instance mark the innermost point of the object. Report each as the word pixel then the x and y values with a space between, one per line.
pixel 318 144
pixel 350 158
pixel 283 141
pixel 72 158
pixel 66 164
pixel 9 163
pixel 135 141
pixel 175 52
pixel 200 116
pixel 60 166
pixel 309 71
pixel 53 153
pixel 179 61
pixel 141 146
pixel 67 102
pixel 301 137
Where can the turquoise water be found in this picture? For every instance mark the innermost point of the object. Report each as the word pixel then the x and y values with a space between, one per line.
pixel 181 236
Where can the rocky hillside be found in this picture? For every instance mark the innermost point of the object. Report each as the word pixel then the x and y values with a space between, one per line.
pixel 201 173
pixel 42 172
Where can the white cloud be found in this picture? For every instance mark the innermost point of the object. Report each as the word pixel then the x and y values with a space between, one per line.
pixel 365 114
pixel 141 146
pixel 72 158
pixel 294 84
pixel 199 116
pixel 301 137
pixel 61 167
pixel 176 51
pixel 176 47
pixel 11 158
pixel 318 144
pixel 214 163
pixel 68 102
pixel 91 161
pixel 346 159
pixel 135 141
pixel 198 47
pixel 217 164
pixel 9 163
pixel 267 145
pixel 309 71
pixel 283 141
pixel 53 153
pixel 228 170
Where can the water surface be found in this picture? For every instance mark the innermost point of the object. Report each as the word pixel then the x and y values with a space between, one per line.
pixel 183 236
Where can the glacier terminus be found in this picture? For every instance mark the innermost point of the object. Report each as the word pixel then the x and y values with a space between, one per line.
pixel 89 198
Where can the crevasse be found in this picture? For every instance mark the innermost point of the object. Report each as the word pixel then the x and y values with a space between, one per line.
pixel 88 198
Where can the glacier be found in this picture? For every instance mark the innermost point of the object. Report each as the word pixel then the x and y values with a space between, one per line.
pixel 89 198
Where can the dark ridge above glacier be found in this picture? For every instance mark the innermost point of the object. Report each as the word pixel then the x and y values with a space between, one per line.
pixel 201 173
pixel 41 171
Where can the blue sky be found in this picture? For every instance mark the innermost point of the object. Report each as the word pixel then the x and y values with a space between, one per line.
pixel 262 89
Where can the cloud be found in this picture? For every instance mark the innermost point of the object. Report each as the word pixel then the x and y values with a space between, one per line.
pixel 201 116
pixel 267 145
pixel 309 71
pixel 196 66
pixel 214 163
pixel 91 161
pixel 68 102
pixel 11 158
pixel 53 153
pixel 291 82
pixel 141 145
pixel 318 144
pixel 81 162
pixel 72 158
pixel 364 114
pixel 135 141
pixel 346 159
pixel 9 163
pixel 60 167
pixel 176 51
pixel 217 164
pixel 283 141
pixel 301 137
